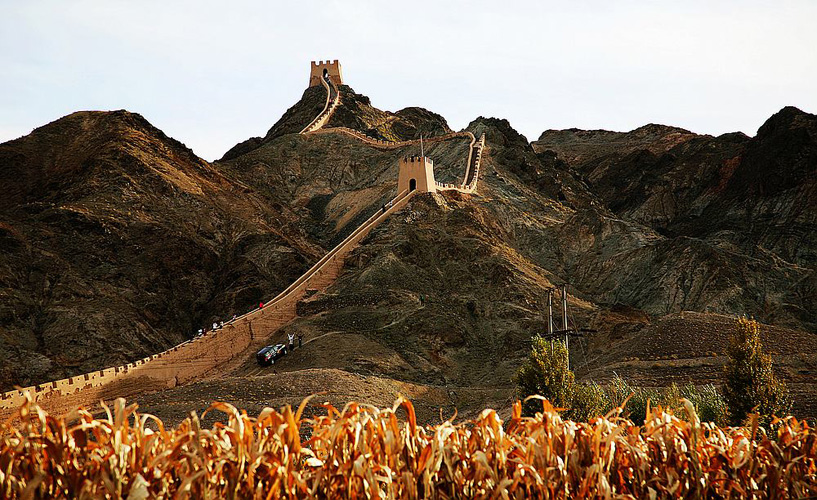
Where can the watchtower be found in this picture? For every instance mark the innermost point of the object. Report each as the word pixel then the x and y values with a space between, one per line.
pixel 331 68
pixel 416 173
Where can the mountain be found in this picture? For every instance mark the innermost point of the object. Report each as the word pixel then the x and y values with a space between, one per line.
pixel 662 235
pixel 740 210
pixel 118 242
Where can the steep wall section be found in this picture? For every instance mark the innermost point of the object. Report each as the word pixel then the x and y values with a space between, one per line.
pixel 117 242
pixel 332 102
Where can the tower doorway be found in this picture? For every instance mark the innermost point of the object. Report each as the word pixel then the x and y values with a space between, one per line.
pixel 412 184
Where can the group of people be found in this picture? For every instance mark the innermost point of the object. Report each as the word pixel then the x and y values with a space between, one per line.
pixel 220 324
pixel 216 326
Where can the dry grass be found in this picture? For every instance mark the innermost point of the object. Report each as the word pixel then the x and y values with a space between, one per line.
pixel 368 452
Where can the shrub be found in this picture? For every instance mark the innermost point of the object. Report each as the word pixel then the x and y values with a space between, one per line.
pixel 635 408
pixel 706 400
pixel 709 403
pixel 588 401
pixel 545 373
pixel 751 385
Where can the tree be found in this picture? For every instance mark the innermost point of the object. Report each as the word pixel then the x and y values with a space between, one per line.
pixel 545 372
pixel 751 385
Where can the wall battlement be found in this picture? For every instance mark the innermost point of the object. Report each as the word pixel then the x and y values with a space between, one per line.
pixel 418 159
pixel 332 68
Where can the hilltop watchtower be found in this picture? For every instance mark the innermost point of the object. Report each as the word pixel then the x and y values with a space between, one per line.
pixel 416 173
pixel 330 68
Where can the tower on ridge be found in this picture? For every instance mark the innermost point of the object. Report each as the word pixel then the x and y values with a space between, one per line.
pixel 331 68
pixel 416 173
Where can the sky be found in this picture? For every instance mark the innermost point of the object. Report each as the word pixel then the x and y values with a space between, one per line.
pixel 212 74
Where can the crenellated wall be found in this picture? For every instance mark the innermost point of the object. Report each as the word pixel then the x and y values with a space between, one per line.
pixel 469 183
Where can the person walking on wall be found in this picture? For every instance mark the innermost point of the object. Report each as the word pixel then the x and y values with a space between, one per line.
pixel 300 340
pixel 291 337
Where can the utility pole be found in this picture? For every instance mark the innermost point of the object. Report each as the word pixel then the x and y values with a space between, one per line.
pixel 564 322
pixel 550 318
pixel 422 151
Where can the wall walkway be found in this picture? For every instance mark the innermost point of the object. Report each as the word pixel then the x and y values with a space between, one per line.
pixel 332 102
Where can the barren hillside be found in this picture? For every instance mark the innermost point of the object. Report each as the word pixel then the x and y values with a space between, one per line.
pixel 441 300
pixel 118 242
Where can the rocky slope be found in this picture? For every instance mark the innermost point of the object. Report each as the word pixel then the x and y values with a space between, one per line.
pixel 118 242
pixel 449 293
pixel 737 213
pixel 355 111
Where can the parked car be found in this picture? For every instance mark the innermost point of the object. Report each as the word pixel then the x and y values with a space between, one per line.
pixel 269 354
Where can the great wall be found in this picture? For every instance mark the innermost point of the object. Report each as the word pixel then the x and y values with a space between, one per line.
pixel 328 72
pixel 239 338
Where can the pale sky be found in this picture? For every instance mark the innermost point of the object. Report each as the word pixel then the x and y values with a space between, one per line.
pixel 211 74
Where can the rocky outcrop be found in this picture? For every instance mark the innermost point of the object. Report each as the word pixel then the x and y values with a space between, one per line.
pixel 578 147
pixel 767 199
pixel 413 122
pixel 243 147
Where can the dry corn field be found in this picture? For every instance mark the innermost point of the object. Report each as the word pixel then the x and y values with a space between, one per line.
pixel 366 452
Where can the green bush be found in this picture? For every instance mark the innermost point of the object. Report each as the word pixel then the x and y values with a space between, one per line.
pixel 709 403
pixel 545 373
pixel 751 385
pixel 588 400
pixel 637 398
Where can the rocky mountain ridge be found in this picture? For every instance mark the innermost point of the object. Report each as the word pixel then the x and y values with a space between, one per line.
pixel 642 225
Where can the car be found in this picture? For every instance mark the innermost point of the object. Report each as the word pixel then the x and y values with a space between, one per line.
pixel 269 354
